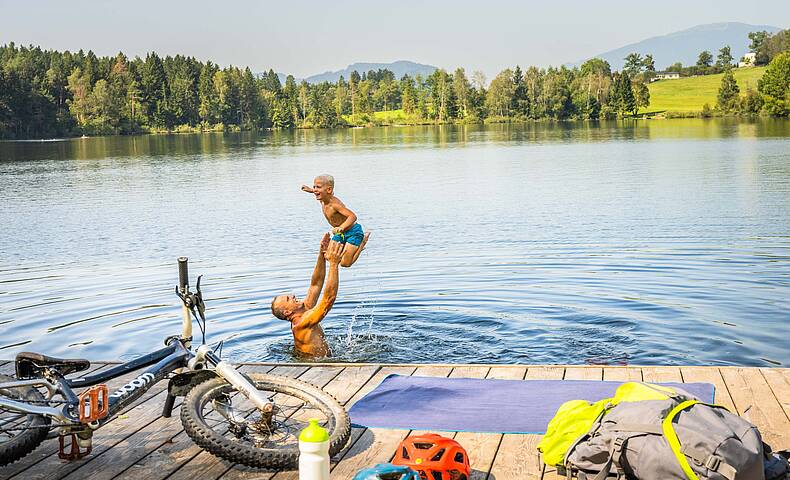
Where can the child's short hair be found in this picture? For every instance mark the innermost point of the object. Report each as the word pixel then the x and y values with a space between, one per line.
pixel 326 178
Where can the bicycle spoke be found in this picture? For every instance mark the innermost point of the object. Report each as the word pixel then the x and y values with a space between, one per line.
pixel 281 432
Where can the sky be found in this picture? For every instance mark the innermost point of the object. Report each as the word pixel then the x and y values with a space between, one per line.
pixel 306 38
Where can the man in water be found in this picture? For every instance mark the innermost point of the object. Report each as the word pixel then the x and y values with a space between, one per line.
pixel 306 315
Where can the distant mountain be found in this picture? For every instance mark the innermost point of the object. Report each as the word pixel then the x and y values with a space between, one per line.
pixel 685 46
pixel 399 68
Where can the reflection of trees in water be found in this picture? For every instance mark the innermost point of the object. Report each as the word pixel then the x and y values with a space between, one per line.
pixel 278 142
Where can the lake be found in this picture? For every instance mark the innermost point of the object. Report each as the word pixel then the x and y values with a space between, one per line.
pixel 642 242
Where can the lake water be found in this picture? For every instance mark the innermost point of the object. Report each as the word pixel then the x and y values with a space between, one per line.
pixel 650 242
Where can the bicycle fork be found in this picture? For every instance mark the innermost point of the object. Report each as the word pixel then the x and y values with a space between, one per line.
pixel 228 371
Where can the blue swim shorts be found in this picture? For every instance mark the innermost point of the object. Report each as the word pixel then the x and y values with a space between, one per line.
pixel 353 235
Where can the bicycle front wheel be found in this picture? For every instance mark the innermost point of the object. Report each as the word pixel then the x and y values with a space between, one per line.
pixel 20 433
pixel 225 423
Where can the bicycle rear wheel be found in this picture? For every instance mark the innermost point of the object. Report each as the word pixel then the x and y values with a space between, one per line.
pixel 20 433
pixel 225 423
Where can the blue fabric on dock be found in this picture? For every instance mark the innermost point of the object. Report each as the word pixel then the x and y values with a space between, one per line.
pixel 478 405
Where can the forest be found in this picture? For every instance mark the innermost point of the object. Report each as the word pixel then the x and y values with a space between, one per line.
pixel 48 93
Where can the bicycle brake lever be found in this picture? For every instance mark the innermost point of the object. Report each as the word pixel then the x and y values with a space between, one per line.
pixel 184 298
pixel 201 306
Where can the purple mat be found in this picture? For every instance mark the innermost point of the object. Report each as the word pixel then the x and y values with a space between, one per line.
pixel 477 405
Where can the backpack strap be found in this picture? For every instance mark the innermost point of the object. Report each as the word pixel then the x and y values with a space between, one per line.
pixel 672 437
pixel 644 428
pixel 615 455
pixel 711 462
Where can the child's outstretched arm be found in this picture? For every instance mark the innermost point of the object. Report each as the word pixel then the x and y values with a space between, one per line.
pixel 307 189
pixel 351 217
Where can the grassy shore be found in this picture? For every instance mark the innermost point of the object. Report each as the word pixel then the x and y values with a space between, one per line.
pixel 690 94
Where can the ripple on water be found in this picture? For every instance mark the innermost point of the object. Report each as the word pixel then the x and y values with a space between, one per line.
pixel 656 244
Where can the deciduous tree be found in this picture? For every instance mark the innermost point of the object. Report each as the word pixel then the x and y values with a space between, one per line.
pixel 724 58
pixel 705 59
pixel 774 86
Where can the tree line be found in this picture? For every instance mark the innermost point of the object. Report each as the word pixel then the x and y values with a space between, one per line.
pixel 47 93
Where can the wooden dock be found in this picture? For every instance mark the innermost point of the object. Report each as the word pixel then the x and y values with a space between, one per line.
pixel 139 443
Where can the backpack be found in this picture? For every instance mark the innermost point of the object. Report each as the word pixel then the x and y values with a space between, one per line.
pixel 652 432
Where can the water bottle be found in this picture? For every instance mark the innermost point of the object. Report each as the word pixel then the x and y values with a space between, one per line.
pixel 314 452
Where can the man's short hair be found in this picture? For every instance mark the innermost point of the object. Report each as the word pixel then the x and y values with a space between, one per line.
pixel 326 178
pixel 276 311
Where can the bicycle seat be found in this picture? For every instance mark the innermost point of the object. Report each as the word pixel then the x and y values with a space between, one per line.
pixel 32 365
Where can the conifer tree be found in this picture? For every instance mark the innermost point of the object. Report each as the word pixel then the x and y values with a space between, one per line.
pixel 153 83
pixel 520 104
pixel 728 98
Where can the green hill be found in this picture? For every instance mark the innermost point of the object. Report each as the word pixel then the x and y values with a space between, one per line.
pixel 691 93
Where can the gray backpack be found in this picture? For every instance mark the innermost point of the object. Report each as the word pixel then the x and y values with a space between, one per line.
pixel 678 438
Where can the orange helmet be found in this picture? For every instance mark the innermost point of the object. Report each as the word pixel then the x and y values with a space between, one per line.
pixel 434 457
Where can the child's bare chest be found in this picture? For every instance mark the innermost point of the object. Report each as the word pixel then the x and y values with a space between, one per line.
pixel 331 214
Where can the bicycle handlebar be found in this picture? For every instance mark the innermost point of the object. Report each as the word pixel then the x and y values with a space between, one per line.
pixel 183 274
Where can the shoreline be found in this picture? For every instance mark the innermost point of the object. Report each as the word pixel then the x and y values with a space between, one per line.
pixel 664 115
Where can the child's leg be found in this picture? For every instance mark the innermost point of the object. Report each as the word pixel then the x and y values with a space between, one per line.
pixel 351 252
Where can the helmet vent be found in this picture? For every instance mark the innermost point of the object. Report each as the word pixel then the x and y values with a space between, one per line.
pixel 404 452
pixel 459 457
pixel 391 476
pixel 437 476
pixel 438 456
pixel 423 446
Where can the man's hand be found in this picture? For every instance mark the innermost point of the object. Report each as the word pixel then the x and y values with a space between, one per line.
pixel 307 189
pixel 324 243
pixel 334 252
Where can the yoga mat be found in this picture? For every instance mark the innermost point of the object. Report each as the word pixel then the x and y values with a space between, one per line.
pixel 478 405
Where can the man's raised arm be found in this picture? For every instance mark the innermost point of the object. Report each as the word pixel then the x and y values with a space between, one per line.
pixel 311 317
pixel 319 272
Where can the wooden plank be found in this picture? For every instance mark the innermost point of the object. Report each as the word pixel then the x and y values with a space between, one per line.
pixel 433 371
pixel 779 381
pixel 482 447
pixel 507 372
pixel 517 457
pixel 376 445
pixel 756 402
pixel 661 374
pixel 713 376
pixel 348 383
pixel 583 373
pixel 179 453
pixel 470 372
pixel 622 374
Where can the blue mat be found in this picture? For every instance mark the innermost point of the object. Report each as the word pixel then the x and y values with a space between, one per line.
pixel 477 405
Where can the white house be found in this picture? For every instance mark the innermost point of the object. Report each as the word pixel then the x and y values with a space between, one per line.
pixel 666 76
pixel 747 60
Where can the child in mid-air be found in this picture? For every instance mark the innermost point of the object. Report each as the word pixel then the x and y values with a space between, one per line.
pixel 342 220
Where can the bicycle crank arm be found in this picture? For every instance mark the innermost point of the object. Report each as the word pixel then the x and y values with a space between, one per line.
pixel 228 371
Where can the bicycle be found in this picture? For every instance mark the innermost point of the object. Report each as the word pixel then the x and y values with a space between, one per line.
pixel 250 419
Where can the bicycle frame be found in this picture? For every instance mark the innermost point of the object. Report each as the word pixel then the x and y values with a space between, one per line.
pixel 163 362
pixel 176 355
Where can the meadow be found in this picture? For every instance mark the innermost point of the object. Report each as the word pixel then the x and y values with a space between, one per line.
pixel 691 93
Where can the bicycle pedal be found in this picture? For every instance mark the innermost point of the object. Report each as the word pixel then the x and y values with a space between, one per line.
pixel 76 443
pixel 94 403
